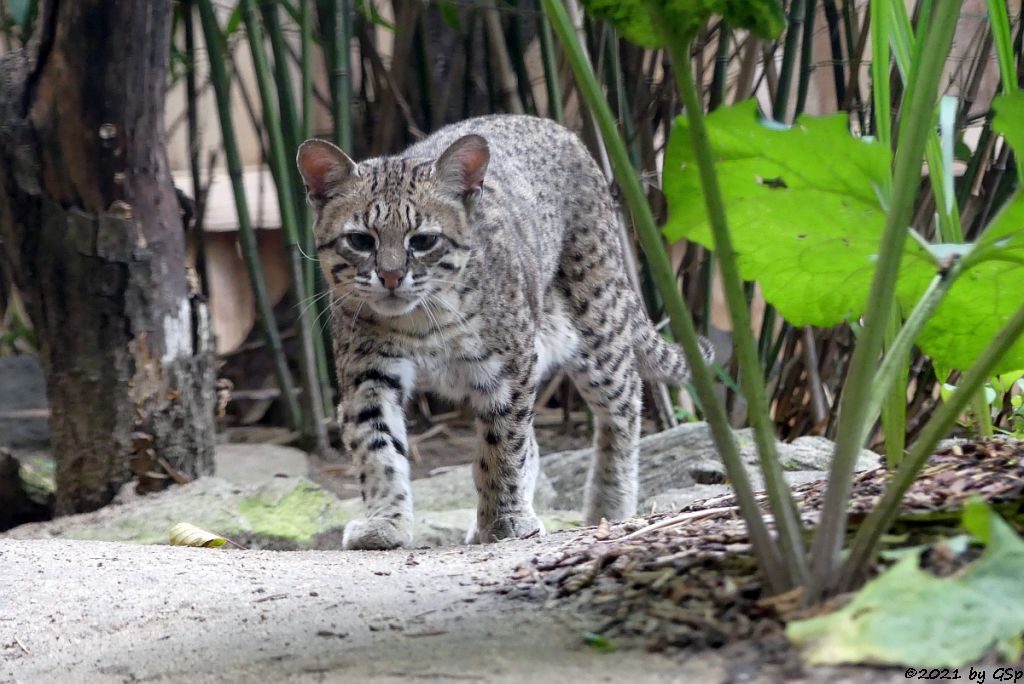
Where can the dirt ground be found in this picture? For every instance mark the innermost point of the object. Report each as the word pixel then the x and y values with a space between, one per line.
pixel 100 612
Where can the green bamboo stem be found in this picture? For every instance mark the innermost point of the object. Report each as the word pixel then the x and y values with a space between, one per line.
pixel 250 251
pixel 341 75
pixel 547 47
pixel 787 520
pixel 720 75
pixel 806 56
pixel 306 42
pixel 192 114
pixel 679 317
pixel 279 161
pixel 793 34
pixel 292 129
pixel 919 107
pixel 879 520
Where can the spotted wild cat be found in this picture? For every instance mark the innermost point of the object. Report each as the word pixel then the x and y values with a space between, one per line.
pixel 471 264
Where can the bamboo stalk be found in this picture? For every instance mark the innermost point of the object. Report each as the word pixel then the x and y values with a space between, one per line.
pixel 316 283
pixel 680 321
pixel 250 251
pixel 194 146
pixel 914 128
pixel 720 76
pixel 796 19
pixel 341 74
pixel 806 56
pixel 554 87
pixel 835 42
pixel 279 160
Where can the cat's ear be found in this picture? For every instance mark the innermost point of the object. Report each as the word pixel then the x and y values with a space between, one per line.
pixel 461 168
pixel 323 167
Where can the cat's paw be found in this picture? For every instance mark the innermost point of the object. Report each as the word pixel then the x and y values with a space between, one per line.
pixel 507 527
pixel 377 534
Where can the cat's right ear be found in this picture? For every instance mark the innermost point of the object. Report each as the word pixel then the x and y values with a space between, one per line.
pixel 324 168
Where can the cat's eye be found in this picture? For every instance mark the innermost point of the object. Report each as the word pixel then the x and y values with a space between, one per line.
pixel 421 242
pixel 361 242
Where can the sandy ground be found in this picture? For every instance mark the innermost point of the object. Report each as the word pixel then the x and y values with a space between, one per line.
pixel 101 612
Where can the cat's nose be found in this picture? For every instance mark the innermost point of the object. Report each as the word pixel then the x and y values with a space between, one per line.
pixel 391 279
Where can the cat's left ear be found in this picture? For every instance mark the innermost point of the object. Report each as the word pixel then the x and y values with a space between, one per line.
pixel 461 168
pixel 324 167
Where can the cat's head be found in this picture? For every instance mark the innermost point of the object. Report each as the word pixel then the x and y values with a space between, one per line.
pixel 393 232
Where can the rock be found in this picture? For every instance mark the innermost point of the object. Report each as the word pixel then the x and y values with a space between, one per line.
pixel 685 456
pixel 674 499
pixel 24 392
pixel 249 464
pixel 282 513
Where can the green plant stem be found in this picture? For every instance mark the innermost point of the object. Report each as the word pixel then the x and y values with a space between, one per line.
pixel 280 163
pixel 341 75
pixel 897 352
pixel 554 87
pixel 796 18
pixel 250 251
pixel 806 56
pixel 720 77
pixel 878 521
pixel 982 414
pixel 316 283
pixel 894 405
pixel 880 90
pixel 306 38
pixel 192 110
pixel 787 521
pixel 680 320
pixel 999 21
pixel 918 110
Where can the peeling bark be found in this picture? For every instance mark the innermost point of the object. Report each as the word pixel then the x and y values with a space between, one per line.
pixel 91 229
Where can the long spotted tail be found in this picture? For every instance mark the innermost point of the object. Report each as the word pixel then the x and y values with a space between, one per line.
pixel 662 361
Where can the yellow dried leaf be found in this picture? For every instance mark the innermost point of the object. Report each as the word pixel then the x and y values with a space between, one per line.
pixel 187 534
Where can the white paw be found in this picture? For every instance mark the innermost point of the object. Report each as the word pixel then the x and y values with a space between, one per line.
pixel 377 533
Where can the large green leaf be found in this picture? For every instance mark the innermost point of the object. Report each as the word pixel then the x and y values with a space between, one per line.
pixel 686 17
pixel 804 207
pixel 1009 120
pixel 983 299
pixel 910 617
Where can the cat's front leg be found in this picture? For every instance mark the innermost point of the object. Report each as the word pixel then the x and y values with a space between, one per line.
pixel 508 464
pixel 373 431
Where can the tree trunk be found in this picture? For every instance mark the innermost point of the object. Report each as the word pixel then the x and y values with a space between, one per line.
pixel 92 230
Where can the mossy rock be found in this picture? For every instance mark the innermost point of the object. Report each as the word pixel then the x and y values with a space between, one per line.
pixel 284 513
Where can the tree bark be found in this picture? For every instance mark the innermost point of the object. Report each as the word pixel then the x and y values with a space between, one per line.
pixel 91 228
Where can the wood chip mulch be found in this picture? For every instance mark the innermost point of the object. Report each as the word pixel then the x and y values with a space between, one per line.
pixel 688 579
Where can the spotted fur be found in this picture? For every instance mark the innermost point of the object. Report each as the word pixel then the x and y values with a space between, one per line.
pixel 472 264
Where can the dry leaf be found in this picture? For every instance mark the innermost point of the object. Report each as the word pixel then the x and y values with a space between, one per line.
pixel 187 534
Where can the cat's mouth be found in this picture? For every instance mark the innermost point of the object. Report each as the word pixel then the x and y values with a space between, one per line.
pixel 393 304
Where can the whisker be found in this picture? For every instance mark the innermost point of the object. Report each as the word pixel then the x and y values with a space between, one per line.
pixel 325 313
pixel 428 309
pixel 310 301
pixel 451 309
pixel 303 253
pixel 355 317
